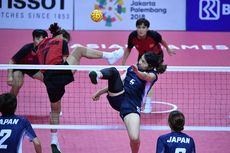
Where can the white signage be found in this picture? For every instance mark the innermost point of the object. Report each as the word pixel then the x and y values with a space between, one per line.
pixel 122 14
pixel 32 14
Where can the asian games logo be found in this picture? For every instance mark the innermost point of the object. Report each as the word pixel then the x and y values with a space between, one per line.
pixel 112 10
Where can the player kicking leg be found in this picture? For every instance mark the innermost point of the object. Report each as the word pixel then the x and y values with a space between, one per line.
pixel 78 52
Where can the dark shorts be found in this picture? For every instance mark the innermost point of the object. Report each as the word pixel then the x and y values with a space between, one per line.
pixel 123 104
pixel 55 81
pixel 31 73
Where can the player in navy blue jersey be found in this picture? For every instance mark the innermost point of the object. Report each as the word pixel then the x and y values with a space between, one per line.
pixel 145 40
pixel 26 55
pixel 176 141
pixel 13 128
pixel 126 92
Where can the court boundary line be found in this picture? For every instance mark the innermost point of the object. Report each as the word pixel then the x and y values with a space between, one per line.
pixel 120 127
pixel 174 107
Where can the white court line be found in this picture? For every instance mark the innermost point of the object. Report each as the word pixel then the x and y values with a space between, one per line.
pixel 174 107
pixel 120 127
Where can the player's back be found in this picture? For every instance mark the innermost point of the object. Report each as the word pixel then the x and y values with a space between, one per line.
pixel 175 142
pixel 12 130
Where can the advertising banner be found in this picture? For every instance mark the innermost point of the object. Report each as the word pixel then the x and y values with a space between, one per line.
pixel 208 15
pixel 31 14
pixel 122 14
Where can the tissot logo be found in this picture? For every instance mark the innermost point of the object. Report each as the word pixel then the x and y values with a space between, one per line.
pixel 32 4
pixel 212 9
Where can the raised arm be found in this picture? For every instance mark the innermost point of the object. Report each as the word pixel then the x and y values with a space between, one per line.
pixel 126 55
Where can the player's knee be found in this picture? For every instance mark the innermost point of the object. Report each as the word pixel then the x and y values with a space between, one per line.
pixel 78 52
pixel 55 107
pixel 114 71
pixel 134 139
pixel 38 76
pixel 17 83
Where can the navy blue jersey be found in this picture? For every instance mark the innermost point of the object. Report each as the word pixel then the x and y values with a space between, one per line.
pixel 175 142
pixel 136 88
pixel 13 128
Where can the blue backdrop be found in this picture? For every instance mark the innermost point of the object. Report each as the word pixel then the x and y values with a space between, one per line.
pixel 208 15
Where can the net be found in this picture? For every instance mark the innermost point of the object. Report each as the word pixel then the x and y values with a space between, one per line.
pixel 202 93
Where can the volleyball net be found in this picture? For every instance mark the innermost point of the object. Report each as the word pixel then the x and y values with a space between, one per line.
pixel 201 93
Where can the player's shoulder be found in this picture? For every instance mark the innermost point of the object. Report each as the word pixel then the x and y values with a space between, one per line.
pixel 163 136
pixel 133 34
pixel 14 118
pixel 56 39
pixel 186 135
pixel 152 32
pixel 28 46
pixel 20 117
pixel 129 69
pixel 45 40
pixel 154 35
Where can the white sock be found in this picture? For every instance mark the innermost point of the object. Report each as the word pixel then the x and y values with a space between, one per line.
pixel 54 138
pixel 107 55
pixel 99 75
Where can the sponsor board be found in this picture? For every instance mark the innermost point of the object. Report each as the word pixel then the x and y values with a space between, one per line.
pixel 32 14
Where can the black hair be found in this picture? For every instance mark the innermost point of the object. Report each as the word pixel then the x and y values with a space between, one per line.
pixel 39 33
pixel 176 121
pixel 55 30
pixel 153 61
pixel 8 104
pixel 143 21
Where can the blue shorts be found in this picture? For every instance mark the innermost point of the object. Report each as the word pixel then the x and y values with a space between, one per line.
pixel 124 104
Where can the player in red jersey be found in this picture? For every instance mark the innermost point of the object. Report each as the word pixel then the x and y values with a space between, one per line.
pixel 146 40
pixel 55 51
pixel 26 55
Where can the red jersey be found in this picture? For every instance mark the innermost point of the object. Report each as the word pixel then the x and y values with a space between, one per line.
pixel 150 43
pixel 52 50
pixel 26 55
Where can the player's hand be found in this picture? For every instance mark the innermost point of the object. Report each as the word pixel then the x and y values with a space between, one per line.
pixel 10 81
pixel 96 97
pixel 135 68
pixel 171 52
